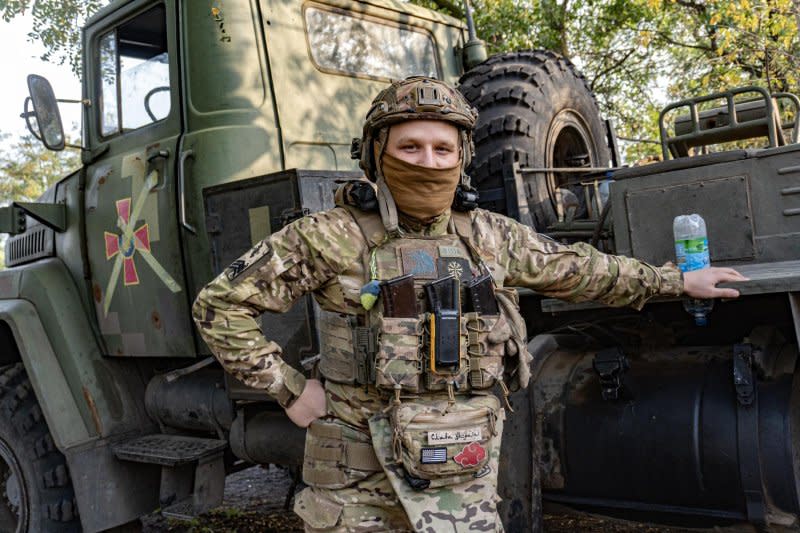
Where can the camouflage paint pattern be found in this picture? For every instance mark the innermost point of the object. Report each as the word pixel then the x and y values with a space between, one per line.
pixel 325 253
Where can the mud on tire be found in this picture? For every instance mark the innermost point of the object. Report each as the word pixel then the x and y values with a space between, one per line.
pixel 535 109
pixel 37 494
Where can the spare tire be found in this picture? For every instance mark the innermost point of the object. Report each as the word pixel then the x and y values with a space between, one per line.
pixel 535 109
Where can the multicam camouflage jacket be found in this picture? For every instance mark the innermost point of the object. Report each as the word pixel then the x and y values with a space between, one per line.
pixel 322 254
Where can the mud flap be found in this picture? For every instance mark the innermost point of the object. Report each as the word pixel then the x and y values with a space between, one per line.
pixel 469 505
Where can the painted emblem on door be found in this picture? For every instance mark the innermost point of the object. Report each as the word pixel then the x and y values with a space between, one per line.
pixel 122 247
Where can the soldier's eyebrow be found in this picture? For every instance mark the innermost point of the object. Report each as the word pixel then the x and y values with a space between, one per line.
pixel 420 139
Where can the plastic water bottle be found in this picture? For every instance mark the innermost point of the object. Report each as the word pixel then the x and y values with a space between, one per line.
pixel 691 250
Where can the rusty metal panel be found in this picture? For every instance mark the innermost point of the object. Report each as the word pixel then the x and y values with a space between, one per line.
pixel 724 203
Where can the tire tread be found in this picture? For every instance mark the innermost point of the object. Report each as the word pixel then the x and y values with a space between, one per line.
pixel 25 431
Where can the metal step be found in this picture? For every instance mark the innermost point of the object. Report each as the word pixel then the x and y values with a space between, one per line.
pixel 167 450
pixel 183 510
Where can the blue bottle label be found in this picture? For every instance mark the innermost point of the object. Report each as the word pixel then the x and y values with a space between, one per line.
pixel 692 254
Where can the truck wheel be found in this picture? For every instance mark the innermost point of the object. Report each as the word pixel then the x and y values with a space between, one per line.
pixel 36 491
pixel 535 109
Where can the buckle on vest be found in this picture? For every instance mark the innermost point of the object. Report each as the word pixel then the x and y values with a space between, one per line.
pixel 365 348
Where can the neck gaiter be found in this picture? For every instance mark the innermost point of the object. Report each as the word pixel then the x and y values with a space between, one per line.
pixel 420 192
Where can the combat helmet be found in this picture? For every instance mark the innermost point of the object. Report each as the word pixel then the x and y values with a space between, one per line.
pixel 414 98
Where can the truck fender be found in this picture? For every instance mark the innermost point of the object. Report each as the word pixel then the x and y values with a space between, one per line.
pixel 58 405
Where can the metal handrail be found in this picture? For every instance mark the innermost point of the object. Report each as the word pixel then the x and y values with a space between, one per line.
pixel 733 124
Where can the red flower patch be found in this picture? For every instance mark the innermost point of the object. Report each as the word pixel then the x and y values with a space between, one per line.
pixel 471 455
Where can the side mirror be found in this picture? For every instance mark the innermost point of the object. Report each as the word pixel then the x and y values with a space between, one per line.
pixel 45 109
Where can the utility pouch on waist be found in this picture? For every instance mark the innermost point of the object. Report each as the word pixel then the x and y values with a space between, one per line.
pixel 441 443
pixel 337 455
pixel 398 362
pixel 486 338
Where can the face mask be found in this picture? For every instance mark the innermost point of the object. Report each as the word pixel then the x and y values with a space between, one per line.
pixel 420 192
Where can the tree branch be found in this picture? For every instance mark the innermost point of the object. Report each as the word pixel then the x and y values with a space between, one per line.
pixel 617 64
pixel 451 7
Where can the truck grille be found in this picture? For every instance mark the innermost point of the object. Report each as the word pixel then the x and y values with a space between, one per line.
pixel 34 244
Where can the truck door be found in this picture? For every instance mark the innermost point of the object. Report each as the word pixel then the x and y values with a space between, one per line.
pixel 132 229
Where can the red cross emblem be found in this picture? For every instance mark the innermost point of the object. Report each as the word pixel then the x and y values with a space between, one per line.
pixel 122 247
pixel 139 240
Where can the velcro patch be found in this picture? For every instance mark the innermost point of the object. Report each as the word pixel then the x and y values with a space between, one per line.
pixel 454 266
pixel 419 262
pixel 450 251
pixel 471 455
pixel 430 456
pixel 255 255
pixel 455 436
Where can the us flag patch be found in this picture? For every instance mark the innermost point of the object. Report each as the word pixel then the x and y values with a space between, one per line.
pixel 433 456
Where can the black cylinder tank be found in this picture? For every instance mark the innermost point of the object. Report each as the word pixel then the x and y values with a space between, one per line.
pixel 677 440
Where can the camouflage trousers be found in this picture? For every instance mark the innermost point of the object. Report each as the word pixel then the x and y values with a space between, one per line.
pixel 369 496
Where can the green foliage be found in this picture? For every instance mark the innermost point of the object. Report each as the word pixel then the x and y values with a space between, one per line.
pixel 28 169
pixel 56 24
pixel 636 54
pixel 639 54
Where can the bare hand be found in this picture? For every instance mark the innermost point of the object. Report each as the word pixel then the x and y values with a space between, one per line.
pixel 309 406
pixel 703 283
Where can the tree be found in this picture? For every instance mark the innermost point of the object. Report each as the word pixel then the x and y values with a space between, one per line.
pixel 637 54
pixel 56 24
pixel 28 169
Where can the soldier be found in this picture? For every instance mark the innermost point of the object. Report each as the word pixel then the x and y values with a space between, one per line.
pixel 418 327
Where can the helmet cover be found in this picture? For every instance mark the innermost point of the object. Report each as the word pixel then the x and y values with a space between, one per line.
pixel 414 98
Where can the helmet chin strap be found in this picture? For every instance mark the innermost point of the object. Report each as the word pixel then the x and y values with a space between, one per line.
pixel 387 207
pixel 386 203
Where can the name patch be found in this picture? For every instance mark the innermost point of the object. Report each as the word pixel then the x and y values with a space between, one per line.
pixel 450 251
pixel 455 436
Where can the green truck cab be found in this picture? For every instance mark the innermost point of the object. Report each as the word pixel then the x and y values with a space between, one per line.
pixel 177 97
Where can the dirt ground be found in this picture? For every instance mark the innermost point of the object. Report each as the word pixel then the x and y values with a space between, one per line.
pixel 255 497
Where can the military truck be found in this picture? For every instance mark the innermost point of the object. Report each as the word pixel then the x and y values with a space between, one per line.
pixel 209 125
